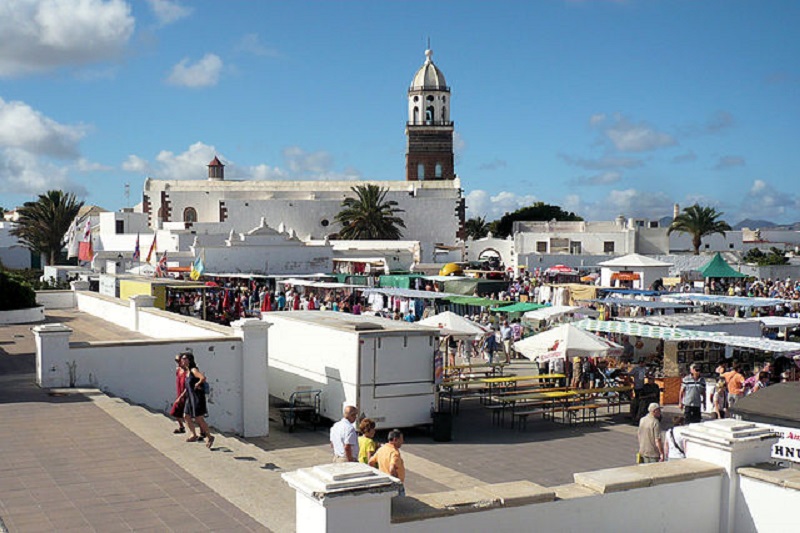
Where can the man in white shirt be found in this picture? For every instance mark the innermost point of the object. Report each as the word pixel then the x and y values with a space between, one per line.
pixel 344 439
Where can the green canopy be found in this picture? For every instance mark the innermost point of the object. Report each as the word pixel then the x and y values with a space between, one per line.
pixel 519 307
pixel 719 268
pixel 473 300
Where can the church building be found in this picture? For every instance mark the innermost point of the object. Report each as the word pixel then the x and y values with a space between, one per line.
pixel 430 196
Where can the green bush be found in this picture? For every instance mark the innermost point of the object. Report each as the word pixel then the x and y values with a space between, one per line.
pixel 15 293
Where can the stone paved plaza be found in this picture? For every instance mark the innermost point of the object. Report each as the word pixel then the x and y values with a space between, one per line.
pixel 84 461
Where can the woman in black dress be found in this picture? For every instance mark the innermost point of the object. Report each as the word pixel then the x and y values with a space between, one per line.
pixel 195 410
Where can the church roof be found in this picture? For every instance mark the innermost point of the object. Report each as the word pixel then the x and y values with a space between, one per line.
pixel 429 76
pixel 216 162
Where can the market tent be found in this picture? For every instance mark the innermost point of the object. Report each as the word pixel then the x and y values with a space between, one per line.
pixel 643 330
pixel 450 323
pixel 468 286
pixel 474 300
pixel 738 301
pixel 546 313
pixel 777 348
pixel 519 307
pixel 405 293
pixel 779 321
pixel 719 268
pixel 566 341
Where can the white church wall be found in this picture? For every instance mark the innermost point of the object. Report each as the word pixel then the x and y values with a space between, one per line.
pixel 732 241
pixel 294 259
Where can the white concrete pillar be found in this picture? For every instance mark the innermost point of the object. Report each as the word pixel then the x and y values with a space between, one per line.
pixel 255 389
pixel 137 302
pixel 730 444
pixel 342 497
pixel 52 356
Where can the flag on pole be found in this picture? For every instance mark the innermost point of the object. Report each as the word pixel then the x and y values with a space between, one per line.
pixel 72 240
pixel 137 252
pixel 85 250
pixel 152 249
pixel 161 266
pixel 198 268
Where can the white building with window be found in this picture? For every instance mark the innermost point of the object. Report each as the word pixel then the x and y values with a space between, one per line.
pixel 430 197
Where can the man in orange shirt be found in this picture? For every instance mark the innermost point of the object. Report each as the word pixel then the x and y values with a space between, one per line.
pixel 735 381
pixel 388 459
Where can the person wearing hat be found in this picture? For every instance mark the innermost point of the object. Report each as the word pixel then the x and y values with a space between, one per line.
pixel 651 440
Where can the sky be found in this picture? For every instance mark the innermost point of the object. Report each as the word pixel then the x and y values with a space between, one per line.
pixel 601 107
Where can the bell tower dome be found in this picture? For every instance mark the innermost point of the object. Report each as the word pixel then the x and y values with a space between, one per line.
pixel 429 153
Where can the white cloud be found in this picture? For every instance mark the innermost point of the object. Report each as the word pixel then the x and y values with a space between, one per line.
pixel 84 165
pixel 22 172
pixel 192 163
pixel 251 44
pixel 23 127
pixel 168 11
pixel 481 203
pixel 203 73
pixel 597 119
pixel 729 161
pixel 40 35
pixel 765 202
pixel 301 162
pixel 626 202
pixel 136 164
pixel 627 136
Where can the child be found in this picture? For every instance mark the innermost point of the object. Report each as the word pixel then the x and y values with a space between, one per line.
pixel 366 443
pixel 720 398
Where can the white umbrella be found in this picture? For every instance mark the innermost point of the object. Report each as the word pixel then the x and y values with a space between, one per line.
pixel 452 324
pixel 546 313
pixel 566 341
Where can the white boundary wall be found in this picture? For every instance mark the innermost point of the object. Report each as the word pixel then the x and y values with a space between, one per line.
pixel 687 506
pixel 763 507
pixel 144 373
pixel 22 316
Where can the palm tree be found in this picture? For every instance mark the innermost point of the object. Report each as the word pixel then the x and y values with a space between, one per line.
pixel 477 228
pixel 369 216
pixel 43 223
pixel 698 222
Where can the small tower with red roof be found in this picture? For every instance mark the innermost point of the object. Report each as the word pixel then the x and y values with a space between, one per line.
pixel 216 170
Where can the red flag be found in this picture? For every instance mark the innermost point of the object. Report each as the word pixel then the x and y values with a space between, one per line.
pixel 152 249
pixel 226 303
pixel 85 250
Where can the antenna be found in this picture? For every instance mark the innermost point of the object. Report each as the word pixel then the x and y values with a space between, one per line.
pixel 429 43
pixel 127 195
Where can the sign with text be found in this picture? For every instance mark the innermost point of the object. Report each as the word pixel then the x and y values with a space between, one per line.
pixel 788 447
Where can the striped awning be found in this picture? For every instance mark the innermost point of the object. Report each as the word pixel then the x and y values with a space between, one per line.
pixel 644 330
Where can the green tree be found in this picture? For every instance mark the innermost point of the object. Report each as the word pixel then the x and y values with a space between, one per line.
pixel 698 222
pixel 537 212
pixel 369 216
pixel 774 257
pixel 477 228
pixel 43 223
pixel 15 293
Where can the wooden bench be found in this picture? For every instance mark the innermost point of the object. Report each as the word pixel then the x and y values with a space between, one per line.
pixel 522 416
pixel 573 410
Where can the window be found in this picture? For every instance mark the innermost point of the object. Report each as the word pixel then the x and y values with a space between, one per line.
pixel 437 172
pixel 324 222
pixel 429 115
pixel 430 98
pixel 541 247
pixel 416 115
pixel 708 246
pixel 119 226
pixel 575 247
pixel 608 247
pixel 730 246
pixel 190 215
pixel 444 116
pixel 421 172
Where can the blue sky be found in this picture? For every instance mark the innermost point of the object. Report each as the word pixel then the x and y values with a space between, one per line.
pixel 602 107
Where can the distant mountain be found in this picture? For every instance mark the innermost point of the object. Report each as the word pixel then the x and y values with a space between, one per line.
pixel 754 224
pixel 664 222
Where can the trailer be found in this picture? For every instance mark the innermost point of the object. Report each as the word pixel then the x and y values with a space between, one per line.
pixel 384 367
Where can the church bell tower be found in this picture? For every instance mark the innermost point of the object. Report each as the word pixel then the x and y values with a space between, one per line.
pixel 429 154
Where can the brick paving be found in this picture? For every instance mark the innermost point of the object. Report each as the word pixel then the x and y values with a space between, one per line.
pixel 92 462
